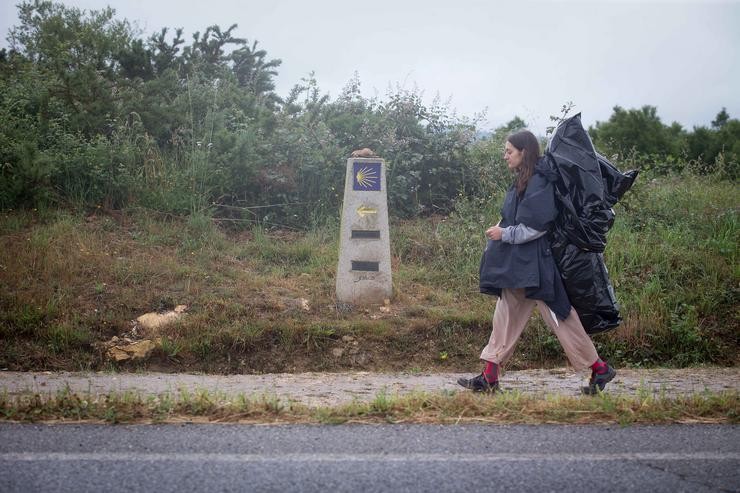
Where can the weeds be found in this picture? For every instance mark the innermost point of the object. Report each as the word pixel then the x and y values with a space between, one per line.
pixel 71 281
pixel 170 347
pixel 419 407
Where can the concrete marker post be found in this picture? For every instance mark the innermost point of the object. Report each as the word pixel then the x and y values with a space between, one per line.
pixel 364 268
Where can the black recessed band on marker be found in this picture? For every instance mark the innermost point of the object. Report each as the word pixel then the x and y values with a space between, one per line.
pixel 365 234
pixel 365 266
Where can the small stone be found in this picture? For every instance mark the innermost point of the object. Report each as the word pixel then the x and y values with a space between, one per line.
pixel 360 359
pixel 287 304
pixel 337 352
pixel 117 354
pixel 364 152
pixel 347 339
pixel 140 350
pixel 154 320
pixel 344 307
pixel 134 351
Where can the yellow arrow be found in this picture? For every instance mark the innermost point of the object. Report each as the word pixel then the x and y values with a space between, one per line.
pixel 364 210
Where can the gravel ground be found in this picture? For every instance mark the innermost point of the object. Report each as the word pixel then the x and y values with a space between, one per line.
pixel 326 389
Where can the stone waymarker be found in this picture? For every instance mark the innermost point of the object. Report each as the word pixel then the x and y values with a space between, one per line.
pixel 364 269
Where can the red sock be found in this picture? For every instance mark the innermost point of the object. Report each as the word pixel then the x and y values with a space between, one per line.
pixel 490 372
pixel 599 367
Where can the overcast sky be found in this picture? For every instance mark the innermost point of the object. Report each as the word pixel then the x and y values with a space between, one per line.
pixel 523 57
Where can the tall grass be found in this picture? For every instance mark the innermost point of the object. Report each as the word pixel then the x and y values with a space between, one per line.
pixel 263 300
pixel 673 258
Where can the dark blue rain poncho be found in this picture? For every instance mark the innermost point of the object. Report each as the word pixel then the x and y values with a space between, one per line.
pixel 527 265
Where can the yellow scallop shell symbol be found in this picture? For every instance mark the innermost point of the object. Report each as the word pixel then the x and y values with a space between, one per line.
pixel 366 177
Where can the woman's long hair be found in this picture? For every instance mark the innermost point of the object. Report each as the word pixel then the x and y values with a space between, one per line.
pixel 525 141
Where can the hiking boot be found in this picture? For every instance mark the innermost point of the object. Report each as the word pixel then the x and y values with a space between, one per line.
pixel 479 384
pixel 598 381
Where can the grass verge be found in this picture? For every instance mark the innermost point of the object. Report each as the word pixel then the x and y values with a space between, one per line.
pixel 420 407
pixel 262 300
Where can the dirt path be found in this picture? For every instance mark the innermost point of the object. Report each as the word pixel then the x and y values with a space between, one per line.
pixel 316 389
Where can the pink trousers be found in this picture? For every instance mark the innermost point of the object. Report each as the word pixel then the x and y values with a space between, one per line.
pixel 512 312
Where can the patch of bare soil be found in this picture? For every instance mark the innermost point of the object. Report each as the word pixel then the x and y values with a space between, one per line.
pixel 328 389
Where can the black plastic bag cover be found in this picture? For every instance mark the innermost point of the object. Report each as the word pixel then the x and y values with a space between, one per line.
pixel 588 187
pixel 616 183
pixel 586 281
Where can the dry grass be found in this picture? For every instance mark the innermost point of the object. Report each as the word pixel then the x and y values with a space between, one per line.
pixel 91 276
pixel 454 408
pixel 71 281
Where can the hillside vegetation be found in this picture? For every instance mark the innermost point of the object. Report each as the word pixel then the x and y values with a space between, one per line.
pixel 95 115
pixel 141 173
pixel 263 300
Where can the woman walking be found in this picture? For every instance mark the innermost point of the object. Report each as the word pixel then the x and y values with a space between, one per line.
pixel 518 267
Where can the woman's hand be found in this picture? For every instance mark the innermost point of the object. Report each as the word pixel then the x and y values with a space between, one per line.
pixel 494 233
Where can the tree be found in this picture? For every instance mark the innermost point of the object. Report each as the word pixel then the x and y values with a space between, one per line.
pixel 706 145
pixel 489 168
pixel 165 56
pixel 207 54
pixel 135 61
pixel 76 50
pixel 721 119
pixel 639 130
pixel 253 70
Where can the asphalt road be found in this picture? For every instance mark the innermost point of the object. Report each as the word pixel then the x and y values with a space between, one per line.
pixel 368 458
